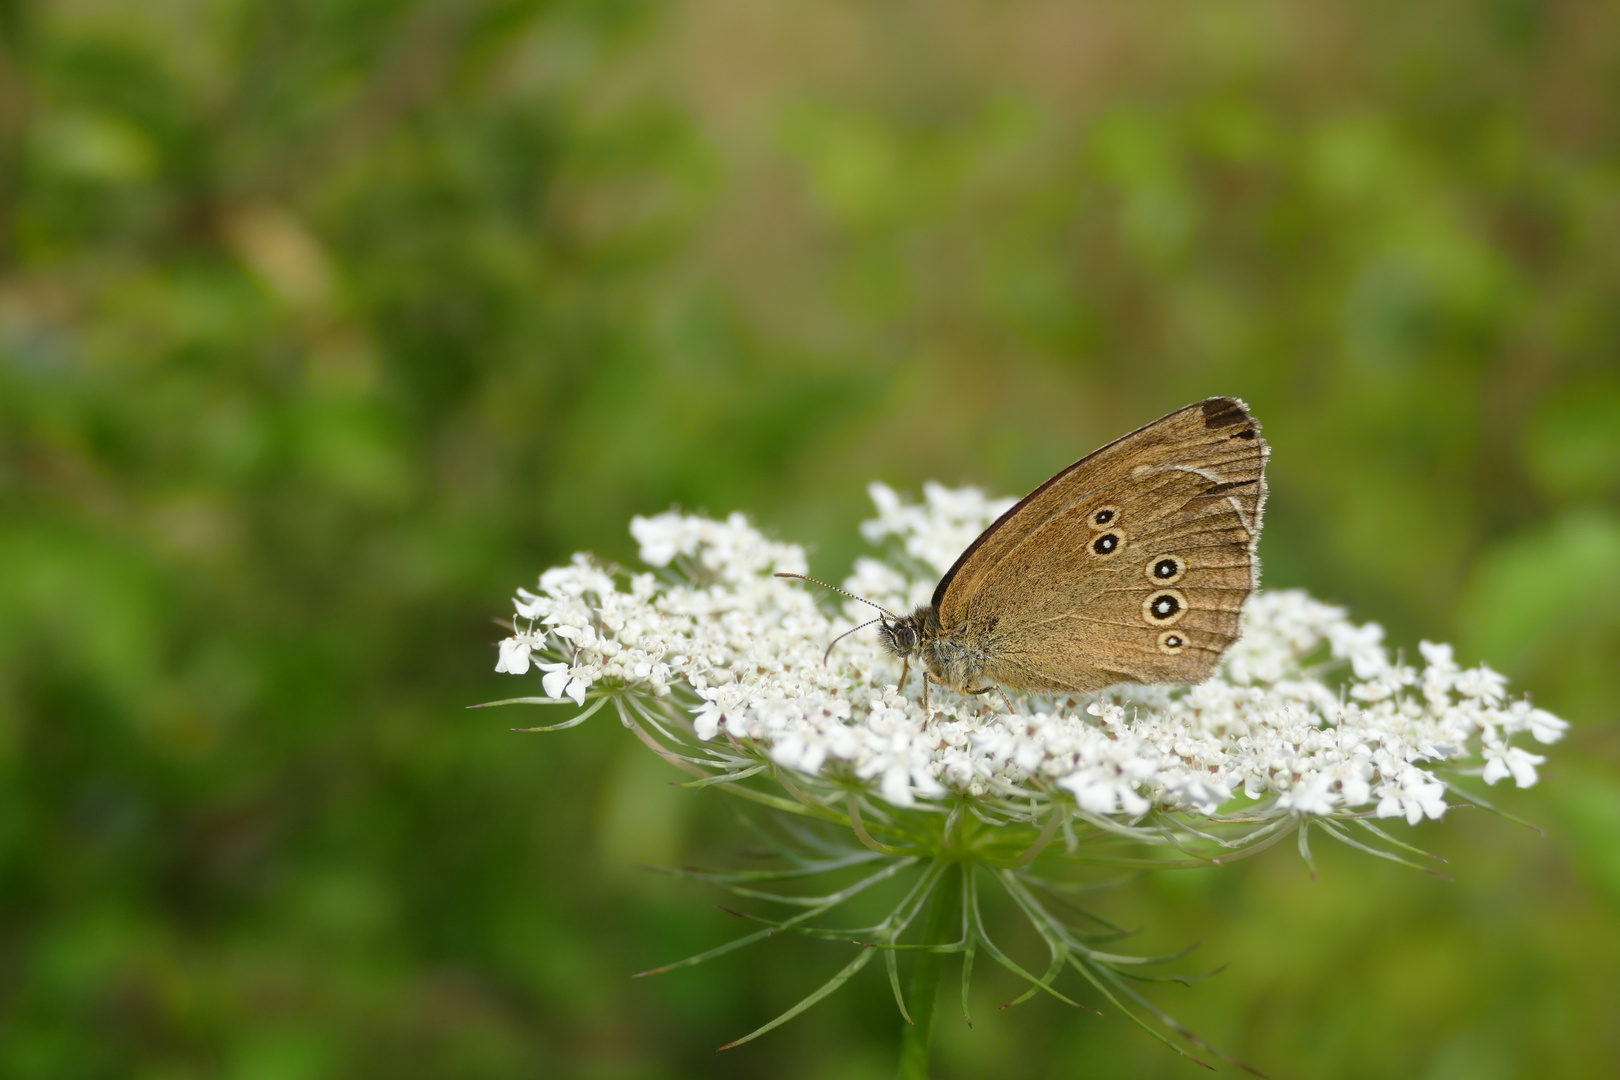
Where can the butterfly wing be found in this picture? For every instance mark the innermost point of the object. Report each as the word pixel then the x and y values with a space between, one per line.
pixel 1130 565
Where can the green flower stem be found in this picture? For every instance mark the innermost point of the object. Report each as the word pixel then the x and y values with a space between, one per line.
pixel 944 911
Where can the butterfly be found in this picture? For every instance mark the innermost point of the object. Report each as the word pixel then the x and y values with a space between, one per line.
pixel 1131 565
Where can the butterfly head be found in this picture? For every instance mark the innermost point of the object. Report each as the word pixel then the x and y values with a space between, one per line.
pixel 899 637
pixel 906 636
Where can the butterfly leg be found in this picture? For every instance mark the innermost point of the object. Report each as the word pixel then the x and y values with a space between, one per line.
pixel 905 673
pixel 997 689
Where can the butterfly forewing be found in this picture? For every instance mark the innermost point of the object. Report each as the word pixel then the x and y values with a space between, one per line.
pixel 1131 565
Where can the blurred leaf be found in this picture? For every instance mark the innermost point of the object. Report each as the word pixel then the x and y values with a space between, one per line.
pixel 1589 808
pixel 1538 592
pixel 93 147
pixel 1572 443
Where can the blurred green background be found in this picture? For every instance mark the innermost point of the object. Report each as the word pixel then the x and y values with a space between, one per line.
pixel 326 323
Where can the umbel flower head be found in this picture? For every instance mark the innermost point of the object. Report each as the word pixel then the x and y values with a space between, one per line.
pixel 723 668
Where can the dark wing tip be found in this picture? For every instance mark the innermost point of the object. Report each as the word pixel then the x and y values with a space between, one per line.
pixel 1222 412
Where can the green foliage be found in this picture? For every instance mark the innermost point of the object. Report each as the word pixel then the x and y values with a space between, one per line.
pixel 324 324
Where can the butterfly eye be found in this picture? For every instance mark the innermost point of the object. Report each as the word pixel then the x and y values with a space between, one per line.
pixel 1103 516
pixel 1172 641
pixel 1164 606
pixel 1107 544
pixel 1165 569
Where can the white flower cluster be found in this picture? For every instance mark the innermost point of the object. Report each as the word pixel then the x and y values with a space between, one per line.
pixel 1282 723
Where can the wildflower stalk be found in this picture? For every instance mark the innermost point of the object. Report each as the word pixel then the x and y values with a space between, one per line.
pixel 939 932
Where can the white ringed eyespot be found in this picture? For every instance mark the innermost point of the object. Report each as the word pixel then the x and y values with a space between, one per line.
pixel 1165 569
pixel 1164 607
pixel 1108 544
pixel 1172 641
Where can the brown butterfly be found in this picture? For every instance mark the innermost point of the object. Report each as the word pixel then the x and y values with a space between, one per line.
pixel 1131 565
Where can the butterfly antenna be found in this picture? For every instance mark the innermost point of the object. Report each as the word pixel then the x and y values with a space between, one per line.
pixel 845 634
pixel 842 592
